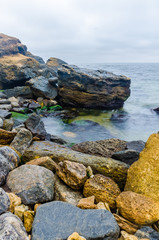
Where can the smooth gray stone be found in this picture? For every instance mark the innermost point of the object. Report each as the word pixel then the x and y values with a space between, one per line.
pixel 5 113
pixel 127 156
pixel 136 145
pixel 58 220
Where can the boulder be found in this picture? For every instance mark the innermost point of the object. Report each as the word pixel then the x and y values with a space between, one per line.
pixel 55 63
pixel 10 45
pixel 72 173
pixel 143 174
pixel 58 220
pixel 106 166
pixel 137 146
pixel 8 161
pixel 36 126
pixel 22 140
pixel 138 208
pixel 8 124
pixel 37 58
pixel 5 114
pixel 46 162
pixel 41 87
pixel 147 233
pixel 103 188
pixel 21 91
pixel 12 227
pixel 4 201
pixel 65 193
pixel 104 148
pixel 79 87
pixel 36 183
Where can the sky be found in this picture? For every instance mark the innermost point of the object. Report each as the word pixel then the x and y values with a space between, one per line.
pixel 85 31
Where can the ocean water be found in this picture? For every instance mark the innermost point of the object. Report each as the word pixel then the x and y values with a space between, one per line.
pixel 135 121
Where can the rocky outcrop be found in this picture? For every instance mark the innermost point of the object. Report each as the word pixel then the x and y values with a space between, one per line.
pixel 143 175
pixel 11 45
pixel 103 188
pixel 17 65
pixel 138 208
pixel 36 183
pixel 58 220
pixel 106 166
pixel 92 89
pixel 55 63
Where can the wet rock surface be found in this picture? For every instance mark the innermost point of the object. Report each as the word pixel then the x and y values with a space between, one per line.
pixel 59 220
pixel 37 183
pixel 4 201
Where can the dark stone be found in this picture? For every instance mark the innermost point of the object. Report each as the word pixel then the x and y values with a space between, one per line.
pixel 11 227
pixel 41 88
pixel 23 91
pixel 79 87
pixel 58 220
pixel 34 105
pixel 36 184
pixel 8 161
pixel 5 114
pixel 36 126
pixel 138 146
pixel 156 110
pixel 53 81
pixel 37 58
pixel 127 156
pixel 148 233
pixel 4 201
pixel 57 139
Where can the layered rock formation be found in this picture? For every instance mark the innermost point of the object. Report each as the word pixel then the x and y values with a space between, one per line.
pixel 80 87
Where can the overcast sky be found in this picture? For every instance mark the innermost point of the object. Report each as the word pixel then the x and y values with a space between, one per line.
pixel 85 31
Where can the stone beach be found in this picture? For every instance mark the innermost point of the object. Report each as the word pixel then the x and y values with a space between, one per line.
pixel 51 189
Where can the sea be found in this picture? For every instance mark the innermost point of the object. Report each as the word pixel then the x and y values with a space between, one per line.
pixel 135 121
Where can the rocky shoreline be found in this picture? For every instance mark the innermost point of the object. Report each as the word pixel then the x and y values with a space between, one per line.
pixel 105 189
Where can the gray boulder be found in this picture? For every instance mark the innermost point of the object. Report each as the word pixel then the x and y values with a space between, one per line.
pixel 5 114
pixel 21 91
pixel 127 156
pixel 41 87
pixel 4 201
pixel 79 87
pixel 58 220
pixel 33 184
pixel 8 161
pixel 11 228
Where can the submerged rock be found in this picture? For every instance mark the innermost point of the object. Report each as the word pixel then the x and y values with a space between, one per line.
pixel 36 183
pixel 92 89
pixel 58 220
pixel 106 166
